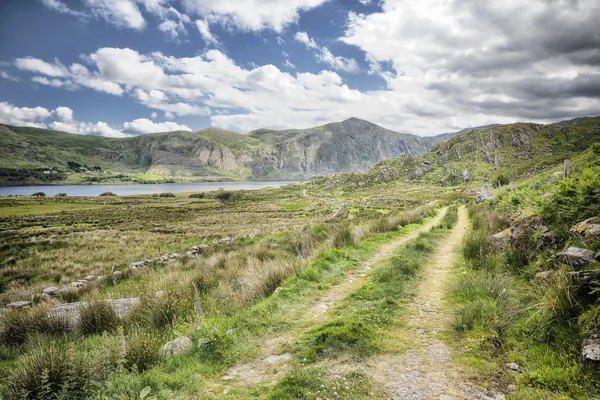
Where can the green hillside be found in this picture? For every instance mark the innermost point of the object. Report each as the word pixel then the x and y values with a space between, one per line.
pixel 29 155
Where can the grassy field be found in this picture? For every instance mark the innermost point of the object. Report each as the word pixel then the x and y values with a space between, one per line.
pixel 278 237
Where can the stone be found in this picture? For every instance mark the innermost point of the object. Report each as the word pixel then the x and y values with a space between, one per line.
pixel 548 238
pixel 513 366
pixel 591 350
pixel 500 240
pixel 181 345
pixel 51 291
pixel 164 257
pixel 139 264
pixel 544 275
pixel 586 231
pixel 511 387
pixel 576 257
pixel 586 278
pixel 90 278
pixel 17 305
pixel 466 175
pixel 77 284
pixel 117 274
pixel 272 359
pixel 483 195
pixel 39 298
pixel 70 312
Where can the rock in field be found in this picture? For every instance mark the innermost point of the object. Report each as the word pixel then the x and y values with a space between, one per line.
pixel 178 346
pixel 591 350
pixel 70 312
pixel 576 257
pixel 51 291
pixel 587 230
pixel 19 304
pixel 501 239
pixel 513 366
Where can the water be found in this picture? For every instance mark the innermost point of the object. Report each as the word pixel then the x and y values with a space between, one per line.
pixel 123 190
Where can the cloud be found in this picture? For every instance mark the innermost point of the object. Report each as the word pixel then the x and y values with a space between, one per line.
pixel 61 7
pixel 121 13
pixel 323 55
pixel 288 64
pixel 251 15
pixel 31 64
pixel 19 116
pixel 144 125
pixel 154 115
pixel 7 76
pixel 65 114
pixel 204 30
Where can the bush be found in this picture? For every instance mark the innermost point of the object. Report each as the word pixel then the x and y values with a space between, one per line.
pixel 61 194
pixel 166 195
pixel 142 350
pixel 107 194
pixel 196 196
pixel 227 196
pixel 17 325
pixel 39 194
pixel 97 317
pixel 161 312
pixel 342 236
pixel 48 372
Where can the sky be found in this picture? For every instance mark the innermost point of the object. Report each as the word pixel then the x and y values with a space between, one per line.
pixel 128 67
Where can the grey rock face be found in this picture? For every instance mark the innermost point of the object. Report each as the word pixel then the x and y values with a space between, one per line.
pixel 51 291
pixel 181 345
pixel 591 350
pixel 587 230
pixel 501 239
pixel 576 257
pixel 19 304
pixel 70 312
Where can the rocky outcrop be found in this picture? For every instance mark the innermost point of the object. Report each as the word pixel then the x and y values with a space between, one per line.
pixel 501 239
pixel 179 346
pixel 483 195
pixel 586 231
pixel 70 313
pixel 591 350
pixel 586 278
pixel 576 257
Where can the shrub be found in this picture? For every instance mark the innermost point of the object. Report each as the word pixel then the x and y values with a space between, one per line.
pixel 49 371
pixel 227 196
pixel 196 196
pixel 166 195
pixel 342 236
pixel 61 194
pixel 17 325
pixel 97 317
pixel 161 312
pixel 39 194
pixel 107 194
pixel 142 350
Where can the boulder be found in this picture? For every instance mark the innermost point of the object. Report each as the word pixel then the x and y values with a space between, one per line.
pixel 500 240
pixel 586 278
pixel 77 284
pixel 548 239
pixel 181 345
pixel 90 278
pixel 70 312
pixel 576 257
pixel 544 275
pixel 466 175
pixel 513 366
pixel 164 257
pixel 483 195
pixel 17 305
pixel 39 298
pixel 586 231
pixel 51 291
pixel 139 264
pixel 591 350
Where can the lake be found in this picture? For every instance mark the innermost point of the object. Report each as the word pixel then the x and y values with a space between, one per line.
pixel 123 190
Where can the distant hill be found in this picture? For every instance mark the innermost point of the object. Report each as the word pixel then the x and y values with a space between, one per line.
pixel 499 153
pixel 210 154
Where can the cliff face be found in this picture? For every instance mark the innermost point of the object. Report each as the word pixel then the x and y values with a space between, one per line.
pixel 348 146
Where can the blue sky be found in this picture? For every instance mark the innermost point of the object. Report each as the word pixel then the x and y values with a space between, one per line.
pixel 125 67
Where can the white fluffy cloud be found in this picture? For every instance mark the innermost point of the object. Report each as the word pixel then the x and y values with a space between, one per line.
pixel 144 125
pixel 252 15
pixel 122 13
pixel 205 32
pixel 20 116
pixel 39 117
pixel 324 55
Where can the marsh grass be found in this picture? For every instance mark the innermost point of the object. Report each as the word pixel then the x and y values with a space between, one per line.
pixel 97 317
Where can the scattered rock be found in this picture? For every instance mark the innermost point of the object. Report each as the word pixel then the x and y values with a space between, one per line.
pixel 548 239
pixel 586 277
pixel 591 350
pixel 39 298
pixel 139 264
pixel 576 257
pixel 500 240
pixel 513 366
pixel 70 312
pixel 17 305
pixel 483 195
pixel 90 278
pixel 511 388
pixel 272 359
pixel 51 291
pixel 77 284
pixel 544 275
pixel 587 230
pixel 117 274
pixel 178 346
pixel 466 175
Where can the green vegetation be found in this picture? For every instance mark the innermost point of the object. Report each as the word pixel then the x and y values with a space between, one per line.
pixel 515 302
pixel 104 194
pixel 38 194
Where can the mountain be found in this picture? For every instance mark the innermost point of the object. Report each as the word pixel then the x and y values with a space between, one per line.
pixel 496 154
pixel 210 154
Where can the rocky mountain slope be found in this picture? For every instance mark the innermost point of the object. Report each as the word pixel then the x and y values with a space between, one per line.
pixel 495 154
pixel 352 145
